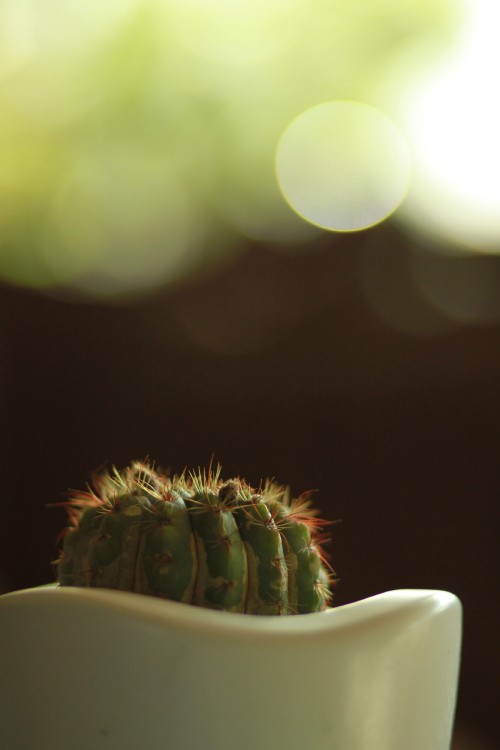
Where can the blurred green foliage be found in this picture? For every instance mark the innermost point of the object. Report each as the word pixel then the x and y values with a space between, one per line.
pixel 138 137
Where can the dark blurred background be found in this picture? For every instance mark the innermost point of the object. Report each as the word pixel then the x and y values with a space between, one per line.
pixel 158 297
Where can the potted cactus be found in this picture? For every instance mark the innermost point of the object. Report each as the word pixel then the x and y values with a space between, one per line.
pixel 115 654
pixel 197 539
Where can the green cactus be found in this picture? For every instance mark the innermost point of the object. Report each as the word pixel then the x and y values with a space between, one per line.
pixel 194 538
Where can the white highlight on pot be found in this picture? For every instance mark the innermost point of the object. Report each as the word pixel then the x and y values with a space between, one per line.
pixel 343 165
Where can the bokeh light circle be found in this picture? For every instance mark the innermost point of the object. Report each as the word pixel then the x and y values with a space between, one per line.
pixel 343 165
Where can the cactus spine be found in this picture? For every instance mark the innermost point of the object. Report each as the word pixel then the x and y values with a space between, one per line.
pixel 196 539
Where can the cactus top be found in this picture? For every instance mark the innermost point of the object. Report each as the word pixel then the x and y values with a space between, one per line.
pixel 197 539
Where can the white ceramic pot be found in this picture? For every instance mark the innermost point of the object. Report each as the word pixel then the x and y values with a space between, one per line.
pixel 83 669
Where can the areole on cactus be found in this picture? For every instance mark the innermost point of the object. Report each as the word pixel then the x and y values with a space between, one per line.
pixel 197 539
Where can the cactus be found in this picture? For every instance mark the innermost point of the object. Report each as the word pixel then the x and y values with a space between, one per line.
pixel 197 539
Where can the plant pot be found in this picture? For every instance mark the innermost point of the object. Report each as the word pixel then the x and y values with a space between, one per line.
pixel 92 668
